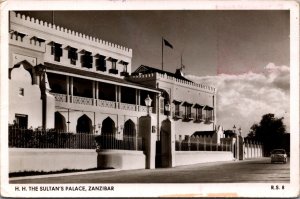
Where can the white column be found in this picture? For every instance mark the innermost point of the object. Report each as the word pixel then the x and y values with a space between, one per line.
pixel 71 89
pixel 97 92
pixel 116 96
pixel 119 95
pixel 68 88
pixel 136 100
pixel 94 92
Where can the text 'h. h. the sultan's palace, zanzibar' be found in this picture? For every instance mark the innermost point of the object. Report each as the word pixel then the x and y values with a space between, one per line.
pixel 68 82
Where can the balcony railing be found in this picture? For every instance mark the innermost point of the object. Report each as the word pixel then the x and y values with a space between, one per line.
pixel 129 107
pixel 199 119
pixel 106 103
pixel 60 97
pixel 113 71
pixel 101 103
pixel 144 109
pixel 189 116
pixel 208 120
pixel 178 115
pixel 82 100
pixel 125 74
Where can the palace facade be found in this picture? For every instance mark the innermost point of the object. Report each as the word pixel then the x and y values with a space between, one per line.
pixel 68 81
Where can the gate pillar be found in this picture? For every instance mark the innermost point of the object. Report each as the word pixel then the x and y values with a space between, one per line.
pixel 167 138
pixel 147 130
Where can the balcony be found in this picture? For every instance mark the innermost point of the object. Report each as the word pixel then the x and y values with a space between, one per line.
pixel 113 71
pixel 188 117
pixel 208 120
pixel 106 103
pixel 144 109
pixel 125 74
pixel 177 115
pixel 101 68
pixel 102 103
pixel 129 107
pixel 60 97
pixel 199 119
pixel 82 100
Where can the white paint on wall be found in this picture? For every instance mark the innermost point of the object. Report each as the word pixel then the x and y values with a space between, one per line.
pixel 195 157
pixel 30 102
pixel 26 159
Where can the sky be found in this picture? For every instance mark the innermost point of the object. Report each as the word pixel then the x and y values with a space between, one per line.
pixel 245 54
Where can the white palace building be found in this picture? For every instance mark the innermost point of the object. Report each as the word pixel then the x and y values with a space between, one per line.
pixel 70 82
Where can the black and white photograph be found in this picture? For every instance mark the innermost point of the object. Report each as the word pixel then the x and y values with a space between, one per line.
pixel 140 98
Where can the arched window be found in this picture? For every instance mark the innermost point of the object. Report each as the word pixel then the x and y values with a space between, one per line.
pixel 60 122
pixel 84 125
pixel 108 127
pixel 129 128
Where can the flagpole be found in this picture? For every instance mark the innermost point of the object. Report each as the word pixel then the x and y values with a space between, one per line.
pixel 52 17
pixel 162 53
pixel 181 62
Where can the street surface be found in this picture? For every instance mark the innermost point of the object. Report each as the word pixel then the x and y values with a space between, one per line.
pixel 257 170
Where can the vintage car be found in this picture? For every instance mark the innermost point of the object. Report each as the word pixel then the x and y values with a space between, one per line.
pixel 278 155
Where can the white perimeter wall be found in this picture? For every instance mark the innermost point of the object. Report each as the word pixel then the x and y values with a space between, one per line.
pixel 122 159
pixel 25 159
pixel 195 157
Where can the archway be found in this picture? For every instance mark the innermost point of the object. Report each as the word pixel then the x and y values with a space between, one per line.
pixel 129 133
pixel 108 127
pixel 27 66
pixel 60 122
pixel 129 128
pixel 84 125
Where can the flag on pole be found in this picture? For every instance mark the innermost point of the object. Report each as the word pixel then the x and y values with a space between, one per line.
pixel 168 44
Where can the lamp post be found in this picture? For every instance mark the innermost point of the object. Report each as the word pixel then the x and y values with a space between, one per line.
pixel 240 131
pixel 168 109
pixel 237 141
pixel 148 102
pixel 240 135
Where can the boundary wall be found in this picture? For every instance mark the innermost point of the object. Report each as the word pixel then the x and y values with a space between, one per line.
pixel 33 159
pixel 195 157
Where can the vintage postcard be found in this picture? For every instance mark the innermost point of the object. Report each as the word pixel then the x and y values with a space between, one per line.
pixel 149 98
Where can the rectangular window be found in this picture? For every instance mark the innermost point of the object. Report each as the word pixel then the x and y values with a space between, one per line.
pixel 56 50
pixel 87 60
pixel 209 114
pixel 21 91
pixel 188 111
pixel 177 109
pixel 72 55
pixel 125 67
pixel 124 72
pixel 101 63
pixel 199 113
pixel 21 121
pixel 113 69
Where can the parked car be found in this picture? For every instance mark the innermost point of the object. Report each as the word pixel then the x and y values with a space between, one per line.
pixel 278 155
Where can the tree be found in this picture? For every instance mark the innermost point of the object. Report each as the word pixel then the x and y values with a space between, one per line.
pixel 270 132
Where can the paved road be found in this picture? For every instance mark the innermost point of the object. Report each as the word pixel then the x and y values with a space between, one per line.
pixel 258 170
